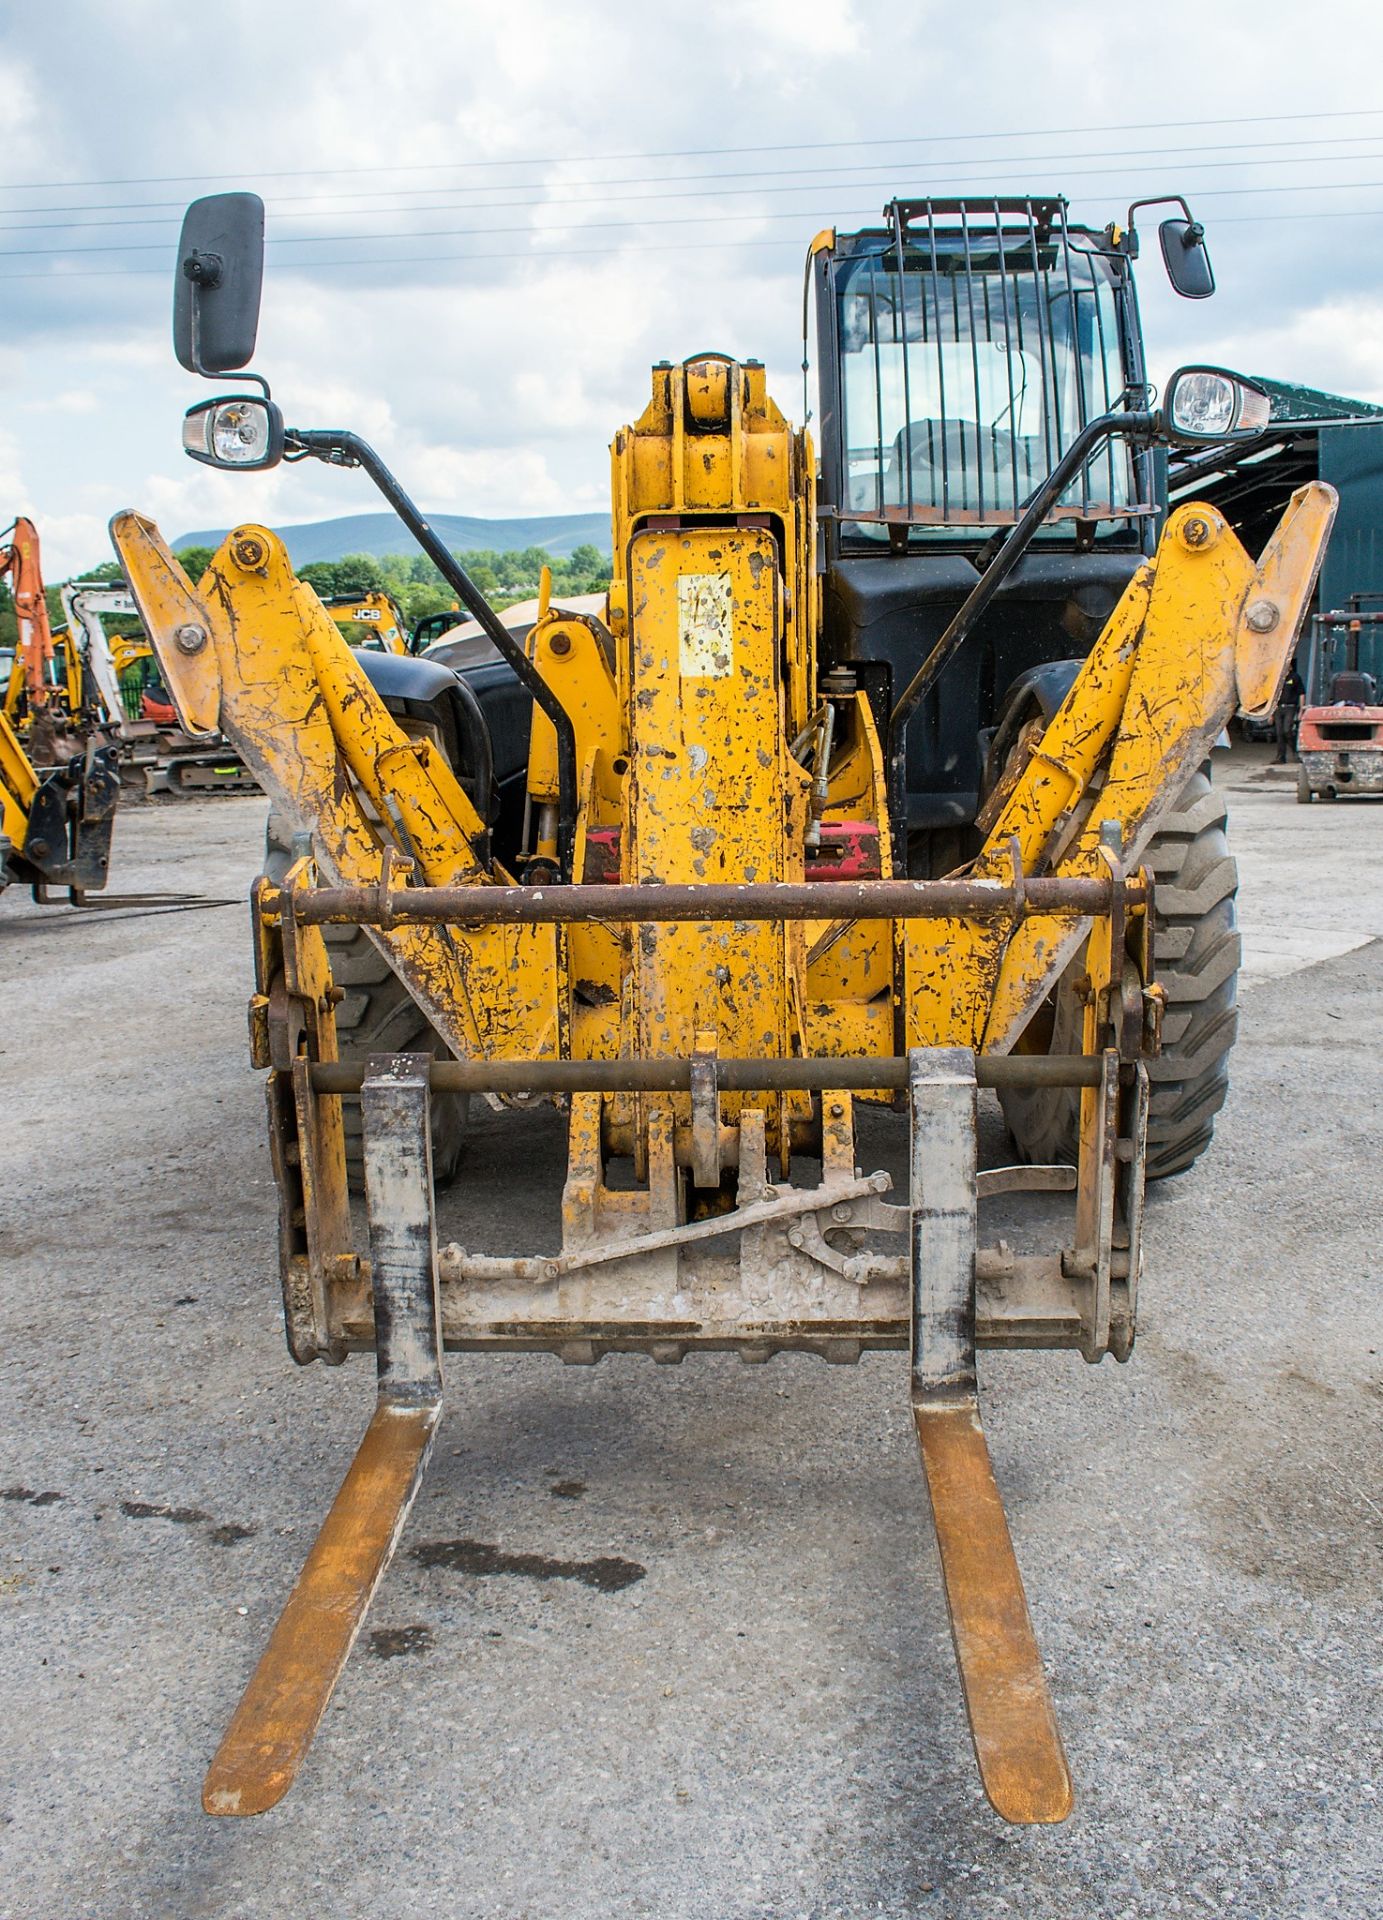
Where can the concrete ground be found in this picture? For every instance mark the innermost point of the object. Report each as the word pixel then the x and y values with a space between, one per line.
pixel 764 1718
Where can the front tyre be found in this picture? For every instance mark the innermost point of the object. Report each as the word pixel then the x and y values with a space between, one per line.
pixel 1196 960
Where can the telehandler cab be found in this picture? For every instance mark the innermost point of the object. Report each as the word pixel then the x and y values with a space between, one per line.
pixel 852 796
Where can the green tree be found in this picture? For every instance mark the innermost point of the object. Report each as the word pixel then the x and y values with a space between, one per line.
pixel 320 575
pixel 359 573
pixel 194 561
pixel 420 589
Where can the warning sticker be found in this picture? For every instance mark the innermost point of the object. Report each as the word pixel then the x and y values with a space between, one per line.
pixel 705 626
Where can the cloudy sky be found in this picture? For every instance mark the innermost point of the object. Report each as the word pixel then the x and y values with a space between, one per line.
pixel 486 220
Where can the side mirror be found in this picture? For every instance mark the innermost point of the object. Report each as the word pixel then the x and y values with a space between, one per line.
pixel 220 274
pixel 1205 405
pixel 1187 262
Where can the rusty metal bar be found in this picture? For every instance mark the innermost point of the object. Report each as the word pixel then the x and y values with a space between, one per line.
pixel 281 1708
pixel 942 1085
pixel 851 1073
pixel 1017 1743
pixel 273 1726
pixel 382 906
pixel 1012 1721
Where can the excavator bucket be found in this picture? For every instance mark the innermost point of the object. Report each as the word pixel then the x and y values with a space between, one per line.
pixel 707 968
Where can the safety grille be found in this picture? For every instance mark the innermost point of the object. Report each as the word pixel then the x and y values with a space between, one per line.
pixel 976 339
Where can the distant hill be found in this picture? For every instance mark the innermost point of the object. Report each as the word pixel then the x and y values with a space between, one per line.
pixel 381 533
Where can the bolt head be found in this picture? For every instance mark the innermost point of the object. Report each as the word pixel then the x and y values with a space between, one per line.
pixel 190 638
pixel 1262 616
pixel 1196 532
pixel 249 552
pixel 560 644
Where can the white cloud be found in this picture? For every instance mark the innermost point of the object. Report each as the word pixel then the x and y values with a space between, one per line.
pixel 493 384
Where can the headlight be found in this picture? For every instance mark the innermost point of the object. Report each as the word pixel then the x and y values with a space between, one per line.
pixel 1205 404
pixel 238 432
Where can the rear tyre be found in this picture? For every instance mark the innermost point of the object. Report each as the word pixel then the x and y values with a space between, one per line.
pixel 378 1015
pixel 1196 960
pixel 1304 793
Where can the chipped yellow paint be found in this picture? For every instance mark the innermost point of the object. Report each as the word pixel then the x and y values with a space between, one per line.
pixel 18 785
pixel 1275 605
pixel 1183 691
pixel 491 992
pixel 850 963
pixel 710 777
pixel 322 1167
pixel 683 708
pixel 1058 775
pixel 711 441
pixel 568 652
pixel 950 965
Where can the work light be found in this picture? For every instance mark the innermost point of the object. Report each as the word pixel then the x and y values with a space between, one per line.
pixel 236 432
pixel 1206 404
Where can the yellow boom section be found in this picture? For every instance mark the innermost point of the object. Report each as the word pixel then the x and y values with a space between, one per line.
pixel 253 653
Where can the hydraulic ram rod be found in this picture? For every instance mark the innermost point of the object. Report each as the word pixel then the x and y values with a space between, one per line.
pixel 855 1073
pixel 806 900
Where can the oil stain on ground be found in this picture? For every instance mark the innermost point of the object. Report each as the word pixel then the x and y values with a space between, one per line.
pixel 608 1574
pixel 145 1510
pixel 387 1643
pixel 229 1534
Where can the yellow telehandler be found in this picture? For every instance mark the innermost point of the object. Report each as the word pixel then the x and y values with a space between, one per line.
pixel 852 796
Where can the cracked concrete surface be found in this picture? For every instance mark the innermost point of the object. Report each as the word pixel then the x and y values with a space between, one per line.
pixel 765 1719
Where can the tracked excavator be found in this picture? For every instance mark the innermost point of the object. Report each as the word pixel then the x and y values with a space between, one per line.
pixel 875 784
pixel 56 811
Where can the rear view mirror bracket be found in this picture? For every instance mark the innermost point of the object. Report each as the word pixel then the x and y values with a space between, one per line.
pixel 217 289
pixel 1183 247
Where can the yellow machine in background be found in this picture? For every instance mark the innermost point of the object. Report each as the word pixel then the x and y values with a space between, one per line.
pixel 703 945
pixel 65 681
pixel 55 826
pixel 130 709
pixel 371 619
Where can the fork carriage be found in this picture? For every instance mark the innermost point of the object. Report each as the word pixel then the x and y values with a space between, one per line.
pixel 770 1265
pixel 790 1267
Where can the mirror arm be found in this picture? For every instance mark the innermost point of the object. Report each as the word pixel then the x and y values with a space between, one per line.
pixel 344 449
pixel 204 270
pixel 1163 200
pixel 996 564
